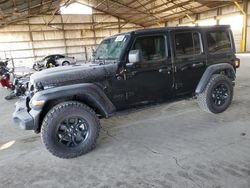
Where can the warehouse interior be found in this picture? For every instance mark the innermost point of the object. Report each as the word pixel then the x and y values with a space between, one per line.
pixel 33 29
pixel 172 144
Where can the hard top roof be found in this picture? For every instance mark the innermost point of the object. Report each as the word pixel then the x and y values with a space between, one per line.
pixel 164 29
pixel 181 28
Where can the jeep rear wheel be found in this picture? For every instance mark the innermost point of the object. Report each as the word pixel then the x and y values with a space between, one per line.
pixel 70 129
pixel 217 95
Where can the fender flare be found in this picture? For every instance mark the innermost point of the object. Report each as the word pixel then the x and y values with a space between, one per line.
pixel 90 94
pixel 214 69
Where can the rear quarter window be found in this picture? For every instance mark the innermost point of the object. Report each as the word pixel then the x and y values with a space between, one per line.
pixel 218 41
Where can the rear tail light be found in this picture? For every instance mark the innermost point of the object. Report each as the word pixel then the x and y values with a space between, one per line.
pixel 237 62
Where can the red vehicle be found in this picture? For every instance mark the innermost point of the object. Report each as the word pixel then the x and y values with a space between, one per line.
pixel 5 76
pixel 18 86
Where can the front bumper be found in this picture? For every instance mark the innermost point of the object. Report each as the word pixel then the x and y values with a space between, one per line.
pixel 28 120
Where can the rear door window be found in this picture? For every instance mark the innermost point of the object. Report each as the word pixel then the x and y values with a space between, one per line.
pixel 187 44
pixel 218 41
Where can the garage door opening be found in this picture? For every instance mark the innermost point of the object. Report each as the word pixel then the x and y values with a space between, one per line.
pixel 236 23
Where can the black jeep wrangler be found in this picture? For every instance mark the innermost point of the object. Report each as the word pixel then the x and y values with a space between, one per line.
pixel 127 70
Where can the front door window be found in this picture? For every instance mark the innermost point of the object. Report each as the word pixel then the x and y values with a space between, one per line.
pixel 152 48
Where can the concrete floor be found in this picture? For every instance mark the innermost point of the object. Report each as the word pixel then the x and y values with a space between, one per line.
pixel 168 145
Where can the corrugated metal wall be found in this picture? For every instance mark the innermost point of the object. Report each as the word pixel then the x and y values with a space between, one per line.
pixel 73 35
pixel 78 35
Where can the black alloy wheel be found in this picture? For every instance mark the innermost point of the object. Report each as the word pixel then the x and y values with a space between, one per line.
pixel 70 129
pixel 220 94
pixel 73 131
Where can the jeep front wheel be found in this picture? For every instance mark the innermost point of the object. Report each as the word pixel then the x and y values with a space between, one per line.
pixel 70 129
pixel 217 95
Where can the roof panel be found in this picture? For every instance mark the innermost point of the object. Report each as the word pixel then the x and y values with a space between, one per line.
pixel 152 12
pixel 13 11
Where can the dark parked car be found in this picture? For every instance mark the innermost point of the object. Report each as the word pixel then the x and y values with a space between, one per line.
pixel 129 69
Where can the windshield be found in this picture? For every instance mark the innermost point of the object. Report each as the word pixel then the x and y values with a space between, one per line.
pixel 111 48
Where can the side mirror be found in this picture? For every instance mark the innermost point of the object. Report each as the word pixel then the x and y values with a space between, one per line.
pixel 134 56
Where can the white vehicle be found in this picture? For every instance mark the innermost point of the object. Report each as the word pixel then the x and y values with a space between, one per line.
pixel 60 60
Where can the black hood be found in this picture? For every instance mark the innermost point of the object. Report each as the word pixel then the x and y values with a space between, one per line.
pixel 74 74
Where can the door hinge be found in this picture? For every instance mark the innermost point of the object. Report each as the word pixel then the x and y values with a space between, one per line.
pixel 175 69
pixel 178 85
pixel 129 94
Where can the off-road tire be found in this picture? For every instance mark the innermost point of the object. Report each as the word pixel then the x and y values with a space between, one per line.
pixel 51 123
pixel 205 100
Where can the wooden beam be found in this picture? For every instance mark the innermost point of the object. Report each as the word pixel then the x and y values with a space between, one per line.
pixel 132 8
pixel 116 11
pixel 182 13
pixel 116 16
pixel 145 4
pixel 32 42
pixel 93 28
pixel 64 36
pixel 175 6
pixel 27 12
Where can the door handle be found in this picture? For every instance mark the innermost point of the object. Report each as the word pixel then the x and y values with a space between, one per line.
pixel 198 64
pixel 165 70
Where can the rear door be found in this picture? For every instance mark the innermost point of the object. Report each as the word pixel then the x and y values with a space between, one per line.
pixel 189 60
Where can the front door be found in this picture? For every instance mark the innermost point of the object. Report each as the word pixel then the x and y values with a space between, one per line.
pixel 152 78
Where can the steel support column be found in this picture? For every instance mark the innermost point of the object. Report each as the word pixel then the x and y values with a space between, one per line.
pixel 243 10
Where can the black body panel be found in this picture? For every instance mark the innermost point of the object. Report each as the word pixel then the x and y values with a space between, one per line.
pixel 175 61
pixel 213 69
pixel 87 92
pixel 74 74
